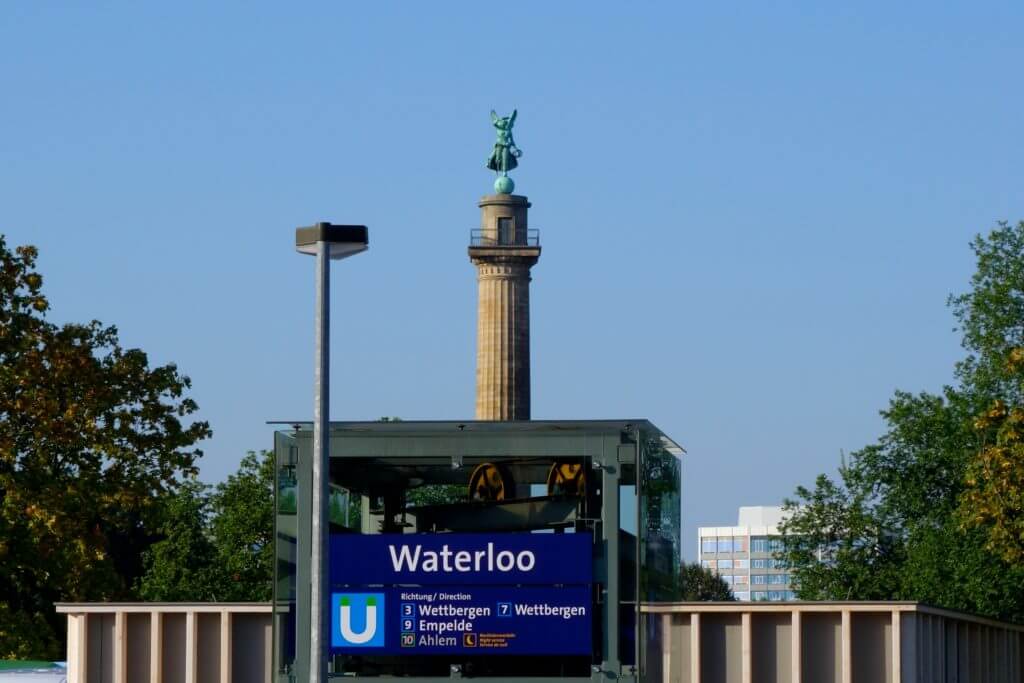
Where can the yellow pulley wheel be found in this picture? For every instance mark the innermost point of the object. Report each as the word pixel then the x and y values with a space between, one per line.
pixel 567 479
pixel 491 482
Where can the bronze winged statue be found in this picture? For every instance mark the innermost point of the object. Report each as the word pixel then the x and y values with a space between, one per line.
pixel 504 157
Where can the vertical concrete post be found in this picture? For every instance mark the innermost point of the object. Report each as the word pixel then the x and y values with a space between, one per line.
pixel 846 647
pixel 225 646
pixel 695 646
pixel 120 648
pixel 78 647
pixel 894 615
pixel 156 647
pixel 746 649
pixel 668 637
pixel 191 648
pixel 503 257
pixel 796 654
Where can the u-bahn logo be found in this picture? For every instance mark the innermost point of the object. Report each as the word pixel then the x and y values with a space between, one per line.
pixel 357 620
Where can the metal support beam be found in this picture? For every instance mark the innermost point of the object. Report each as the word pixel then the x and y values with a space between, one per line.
pixel 610 538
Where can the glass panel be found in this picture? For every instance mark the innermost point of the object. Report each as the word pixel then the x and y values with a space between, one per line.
pixel 742 595
pixel 759 545
pixel 739 544
pixel 659 520
pixel 708 545
pixel 725 545
pixel 742 564
pixel 725 564
pixel 285 526
pixel 758 578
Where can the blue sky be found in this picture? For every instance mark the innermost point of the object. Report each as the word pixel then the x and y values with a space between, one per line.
pixel 751 213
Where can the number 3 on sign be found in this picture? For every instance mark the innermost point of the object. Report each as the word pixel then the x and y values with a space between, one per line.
pixel 504 609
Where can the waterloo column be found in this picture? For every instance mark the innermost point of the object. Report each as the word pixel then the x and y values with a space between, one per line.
pixel 503 251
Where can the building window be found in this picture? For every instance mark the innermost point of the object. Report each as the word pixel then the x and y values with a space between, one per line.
pixel 775 545
pixel 725 564
pixel 759 595
pixel 742 595
pixel 741 564
pixel 707 564
pixel 739 578
pixel 759 578
pixel 759 545
pixel 739 544
pixel 790 595
pixel 776 596
pixel 707 545
pixel 777 579
pixel 728 578
pixel 725 545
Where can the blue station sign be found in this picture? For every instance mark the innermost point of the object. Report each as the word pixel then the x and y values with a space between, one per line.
pixel 473 620
pixel 461 559
pixel 469 594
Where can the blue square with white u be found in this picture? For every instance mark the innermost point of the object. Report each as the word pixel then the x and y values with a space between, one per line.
pixel 357 620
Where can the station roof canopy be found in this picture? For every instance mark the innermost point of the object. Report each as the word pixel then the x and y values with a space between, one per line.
pixel 511 430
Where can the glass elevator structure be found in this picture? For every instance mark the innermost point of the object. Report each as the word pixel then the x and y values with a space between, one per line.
pixel 615 482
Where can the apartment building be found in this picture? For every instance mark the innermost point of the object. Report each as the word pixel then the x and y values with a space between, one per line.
pixel 744 554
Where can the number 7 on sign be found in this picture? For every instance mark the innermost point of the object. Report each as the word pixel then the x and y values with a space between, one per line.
pixel 504 609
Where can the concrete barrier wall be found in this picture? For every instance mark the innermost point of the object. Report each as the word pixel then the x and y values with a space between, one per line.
pixel 826 642
pixel 817 642
pixel 168 642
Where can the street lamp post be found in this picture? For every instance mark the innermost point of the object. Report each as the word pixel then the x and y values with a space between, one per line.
pixel 327 242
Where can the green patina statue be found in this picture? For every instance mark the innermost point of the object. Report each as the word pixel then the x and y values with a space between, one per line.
pixel 505 154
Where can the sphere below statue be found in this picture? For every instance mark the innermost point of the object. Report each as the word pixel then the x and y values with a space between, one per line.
pixel 504 185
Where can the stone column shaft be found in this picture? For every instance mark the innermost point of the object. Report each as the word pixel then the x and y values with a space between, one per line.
pixel 503 261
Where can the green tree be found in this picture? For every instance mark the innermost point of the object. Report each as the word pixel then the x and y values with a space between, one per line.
pixel 893 526
pixel 242 530
pixel 91 439
pixel 992 319
pixel 703 585
pixel 217 543
pixel 181 567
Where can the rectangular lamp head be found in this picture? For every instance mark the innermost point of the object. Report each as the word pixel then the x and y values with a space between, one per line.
pixel 342 240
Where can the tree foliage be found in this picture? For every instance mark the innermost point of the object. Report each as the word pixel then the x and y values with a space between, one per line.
pixel 703 585
pixel 91 437
pixel 992 318
pixel 893 526
pixel 217 542
pixel 180 566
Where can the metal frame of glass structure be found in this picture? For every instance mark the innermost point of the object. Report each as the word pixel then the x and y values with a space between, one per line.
pixel 616 479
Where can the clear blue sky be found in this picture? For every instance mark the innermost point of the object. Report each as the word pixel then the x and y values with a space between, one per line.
pixel 751 213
